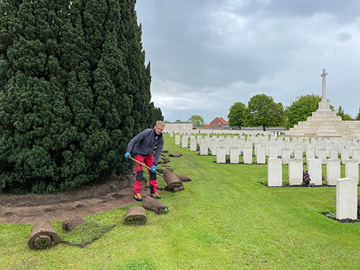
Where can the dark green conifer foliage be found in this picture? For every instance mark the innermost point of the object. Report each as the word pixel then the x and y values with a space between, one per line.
pixel 138 81
pixel 74 90
pixel 156 114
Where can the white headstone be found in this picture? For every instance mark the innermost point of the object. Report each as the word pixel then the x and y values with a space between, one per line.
pixel 285 155
pixel 310 153
pixel 352 169
pixel 234 155
pixel 274 172
pixel 314 169
pixel 177 139
pixel 184 142
pixel 356 154
pixel 236 144
pixel 344 155
pixel 248 143
pixel 260 155
pixel 346 198
pixel 273 152
pixel 334 154
pixel 332 171
pixel 193 144
pixel 295 171
pixel 267 148
pixel 220 155
pixel 322 155
pixel 203 147
pixel 227 144
pixel 298 153
pixel 214 145
pixel 242 143
pixel 247 155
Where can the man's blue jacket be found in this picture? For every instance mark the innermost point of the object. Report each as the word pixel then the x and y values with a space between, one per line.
pixel 145 143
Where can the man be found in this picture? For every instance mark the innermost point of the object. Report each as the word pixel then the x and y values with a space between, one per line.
pixel 143 146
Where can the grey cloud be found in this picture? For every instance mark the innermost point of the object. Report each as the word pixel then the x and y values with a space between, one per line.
pixel 343 37
pixel 342 10
pixel 200 56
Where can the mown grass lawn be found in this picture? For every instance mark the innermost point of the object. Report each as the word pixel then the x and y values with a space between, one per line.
pixel 224 219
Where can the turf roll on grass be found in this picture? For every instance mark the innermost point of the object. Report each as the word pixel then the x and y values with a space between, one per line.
pixel 173 182
pixel 72 223
pixel 183 178
pixel 175 155
pixel 154 205
pixel 135 215
pixel 42 235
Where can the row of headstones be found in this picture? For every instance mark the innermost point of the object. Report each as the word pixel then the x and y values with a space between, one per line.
pixel 346 188
pixel 286 155
pixel 314 168
pixel 245 149
pixel 212 132
pixel 273 139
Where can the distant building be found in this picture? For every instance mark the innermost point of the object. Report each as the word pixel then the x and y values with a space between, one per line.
pixel 179 127
pixel 218 122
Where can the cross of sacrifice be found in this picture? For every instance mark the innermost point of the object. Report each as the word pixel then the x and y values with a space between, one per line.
pixel 323 75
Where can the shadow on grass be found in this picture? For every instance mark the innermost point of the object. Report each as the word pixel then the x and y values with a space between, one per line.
pixel 296 186
pixel 332 215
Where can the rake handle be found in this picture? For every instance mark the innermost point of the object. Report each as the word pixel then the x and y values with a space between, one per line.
pixel 147 167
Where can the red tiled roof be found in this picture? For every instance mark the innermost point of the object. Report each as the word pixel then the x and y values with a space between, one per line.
pixel 222 120
pixel 217 122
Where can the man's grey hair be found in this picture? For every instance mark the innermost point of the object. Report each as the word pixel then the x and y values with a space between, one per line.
pixel 161 123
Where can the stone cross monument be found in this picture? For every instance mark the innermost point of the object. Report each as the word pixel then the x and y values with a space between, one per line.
pixel 323 75
pixel 324 123
pixel 324 105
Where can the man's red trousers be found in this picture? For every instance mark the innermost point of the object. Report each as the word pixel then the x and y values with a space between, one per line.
pixel 139 173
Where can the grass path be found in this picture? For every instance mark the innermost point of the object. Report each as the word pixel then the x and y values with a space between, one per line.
pixel 224 219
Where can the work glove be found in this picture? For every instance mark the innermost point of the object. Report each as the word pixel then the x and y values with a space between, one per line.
pixel 153 168
pixel 127 155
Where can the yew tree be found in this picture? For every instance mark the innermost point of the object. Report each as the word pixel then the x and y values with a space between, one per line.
pixel 156 114
pixel 74 89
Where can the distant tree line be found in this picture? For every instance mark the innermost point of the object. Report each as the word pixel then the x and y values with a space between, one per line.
pixel 263 111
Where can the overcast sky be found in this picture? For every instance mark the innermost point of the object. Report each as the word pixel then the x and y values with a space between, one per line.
pixel 206 55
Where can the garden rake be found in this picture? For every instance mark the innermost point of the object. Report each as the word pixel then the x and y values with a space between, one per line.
pixel 147 167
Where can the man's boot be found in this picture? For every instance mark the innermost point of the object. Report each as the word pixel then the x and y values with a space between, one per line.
pixel 154 194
